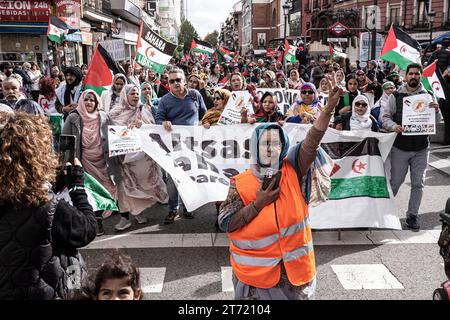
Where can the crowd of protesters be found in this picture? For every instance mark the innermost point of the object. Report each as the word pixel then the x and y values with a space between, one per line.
pixel 334 93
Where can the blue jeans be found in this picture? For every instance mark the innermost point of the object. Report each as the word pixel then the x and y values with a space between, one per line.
pixel 174 199
pixel 417 162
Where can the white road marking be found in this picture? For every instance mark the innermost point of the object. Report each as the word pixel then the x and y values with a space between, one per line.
pixel 227 283
pixel 366 277
pixel 152 279
pixel 320 238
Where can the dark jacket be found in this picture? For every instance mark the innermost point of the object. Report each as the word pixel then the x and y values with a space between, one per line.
pixel 39 259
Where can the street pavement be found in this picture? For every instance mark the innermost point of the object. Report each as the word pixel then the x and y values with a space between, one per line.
pixel 189 260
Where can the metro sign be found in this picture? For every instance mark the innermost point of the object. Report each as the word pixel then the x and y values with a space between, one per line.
pixel 338 29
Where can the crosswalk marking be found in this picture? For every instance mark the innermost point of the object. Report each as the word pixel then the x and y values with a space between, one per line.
pixel 152 279
pixel 366 277
pixel 227 283
pixel 320 238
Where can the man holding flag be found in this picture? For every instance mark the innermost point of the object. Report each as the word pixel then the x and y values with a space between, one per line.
pixel 409 151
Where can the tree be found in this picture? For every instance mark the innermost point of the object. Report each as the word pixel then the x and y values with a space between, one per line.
pixel 212 38
pixel 187 33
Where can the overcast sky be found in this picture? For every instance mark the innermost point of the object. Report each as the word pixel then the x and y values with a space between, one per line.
pixel 206 15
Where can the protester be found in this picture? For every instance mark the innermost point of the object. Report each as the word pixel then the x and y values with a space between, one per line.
pixel 84 70
pixel 264 249
pixel 148 98
pixel 294 81
pixel 220 98
pixel 323 91
pixel 140 184
pixel 306 109
pixel 37 229
pixel 281 79
pixel 388 89
pixel 117 278
pixel 270 80
pixel 359 119
pixel 13 97
pixel 69 91
pixel 195 82
pixel 409 151
pixel 162 87
pixel 238 83
pixel 35 75
pixel 267 111
pixel 346 101
pixel 89 124
pixel 111 98
pixel 185 107
pixel 132 78
pixel 57 75
pixel 47 95
pixel 2 78
pixel 340 78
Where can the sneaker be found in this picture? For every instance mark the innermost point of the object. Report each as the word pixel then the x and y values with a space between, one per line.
pixel 413 224
pixel 170 217
pixel 188 215
pixel 100 230
pixel 123 224
pixel 141 219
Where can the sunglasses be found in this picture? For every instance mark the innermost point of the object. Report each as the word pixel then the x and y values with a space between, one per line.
pixel 164 78
pixel 307 92
pixel 177 80
pixel 360 104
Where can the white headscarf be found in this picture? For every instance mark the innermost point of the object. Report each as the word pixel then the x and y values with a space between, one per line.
pixel 358 122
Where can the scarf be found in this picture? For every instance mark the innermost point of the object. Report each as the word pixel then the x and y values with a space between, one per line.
pixel 116 94
pixel 262 116
pixel 358 122
pixel 300 107
pixel 257 168
pixel 125 114
pixel 72 88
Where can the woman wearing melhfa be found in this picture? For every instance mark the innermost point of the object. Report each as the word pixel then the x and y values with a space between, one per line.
pixel 267 220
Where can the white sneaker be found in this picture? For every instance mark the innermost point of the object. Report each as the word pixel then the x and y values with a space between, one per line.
pixel 141 219
pixel 123 224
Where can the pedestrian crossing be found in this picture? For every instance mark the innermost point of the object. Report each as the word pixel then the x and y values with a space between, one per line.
pixel 350 277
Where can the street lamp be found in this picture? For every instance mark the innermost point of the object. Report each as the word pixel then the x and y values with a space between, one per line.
pixel 431 16
pixel 286 10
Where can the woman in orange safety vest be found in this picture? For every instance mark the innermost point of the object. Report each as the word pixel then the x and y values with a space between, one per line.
pixel 267 220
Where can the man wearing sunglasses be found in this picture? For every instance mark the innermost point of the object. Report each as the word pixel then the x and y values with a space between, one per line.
pixel 182 107
pixel 408 152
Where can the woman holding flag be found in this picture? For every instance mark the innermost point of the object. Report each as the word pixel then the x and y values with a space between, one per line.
pixel 89 124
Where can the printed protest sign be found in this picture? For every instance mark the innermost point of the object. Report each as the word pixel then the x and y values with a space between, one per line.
pixel 122 140
pixel 232 111
pixel 418 117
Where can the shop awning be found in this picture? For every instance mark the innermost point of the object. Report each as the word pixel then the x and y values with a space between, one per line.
pixel 21 27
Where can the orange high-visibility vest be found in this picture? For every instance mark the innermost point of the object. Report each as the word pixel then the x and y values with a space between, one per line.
pixel 281 232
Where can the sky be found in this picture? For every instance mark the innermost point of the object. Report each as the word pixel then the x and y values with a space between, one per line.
pixel 207 15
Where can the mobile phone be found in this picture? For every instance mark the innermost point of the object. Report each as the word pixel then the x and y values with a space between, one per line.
pixel 269 176
pixel 67 146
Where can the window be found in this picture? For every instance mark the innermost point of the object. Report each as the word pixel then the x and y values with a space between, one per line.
pixel 394 15
pixel 422 12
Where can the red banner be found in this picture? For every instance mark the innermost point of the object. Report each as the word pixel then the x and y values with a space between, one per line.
pixel 25 11
pixel 69 11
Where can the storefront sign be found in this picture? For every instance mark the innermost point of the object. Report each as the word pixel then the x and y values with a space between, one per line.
pixel 87 38
pixel 69 12
pixel 25 11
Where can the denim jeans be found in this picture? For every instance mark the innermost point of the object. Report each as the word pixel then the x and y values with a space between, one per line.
pixel 174 199
pixel 417 162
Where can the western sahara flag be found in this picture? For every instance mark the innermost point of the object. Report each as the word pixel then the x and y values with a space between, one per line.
pixel 432 80
pixel 358 170
pixel 153 52
pixel 360 195
pixel 202 47
pixel 289 52
pixel 98 197
pixel 335 53
pixel 56 30
pixel 101 71
pixel 400 48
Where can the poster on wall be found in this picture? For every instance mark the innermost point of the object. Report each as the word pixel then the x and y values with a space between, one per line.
pixel 69 12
